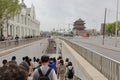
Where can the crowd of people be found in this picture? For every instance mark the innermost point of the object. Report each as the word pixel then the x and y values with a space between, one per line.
pixel 11 37
pixel 37 69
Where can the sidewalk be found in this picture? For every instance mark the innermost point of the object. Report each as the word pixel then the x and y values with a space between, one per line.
pixel 66 53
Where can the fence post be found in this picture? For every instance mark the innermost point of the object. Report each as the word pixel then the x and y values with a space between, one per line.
pixel 5 44
pixel 117 72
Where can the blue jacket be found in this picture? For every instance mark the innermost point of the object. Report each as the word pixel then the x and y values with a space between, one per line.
pixel 52 65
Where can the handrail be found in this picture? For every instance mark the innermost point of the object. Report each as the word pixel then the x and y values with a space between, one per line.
pixel 97 53
pixel 13 43
pixel 107 66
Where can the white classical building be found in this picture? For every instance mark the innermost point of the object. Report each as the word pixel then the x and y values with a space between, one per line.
pixel 23 24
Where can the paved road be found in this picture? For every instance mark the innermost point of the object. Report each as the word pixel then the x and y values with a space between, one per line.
pixel 34 50
pixel 109 53
pixel 109 41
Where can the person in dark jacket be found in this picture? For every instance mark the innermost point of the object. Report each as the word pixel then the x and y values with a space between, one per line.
pixel 4 62
pixel 16 39
pixel 70 71
pixel 13 60
pixel 25 64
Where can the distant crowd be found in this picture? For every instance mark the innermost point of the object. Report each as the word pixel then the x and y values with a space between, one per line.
pixel 10 37
pixel 37 69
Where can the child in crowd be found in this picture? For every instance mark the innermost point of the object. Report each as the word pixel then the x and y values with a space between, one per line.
pixel 66 61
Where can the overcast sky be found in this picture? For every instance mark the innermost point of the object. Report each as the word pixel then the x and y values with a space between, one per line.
pixel 59 13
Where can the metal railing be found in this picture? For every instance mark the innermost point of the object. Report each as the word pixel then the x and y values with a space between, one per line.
pixel 13 43
pixel 107 66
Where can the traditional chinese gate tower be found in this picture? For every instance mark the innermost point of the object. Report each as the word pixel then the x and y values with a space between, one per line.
pixel 79 27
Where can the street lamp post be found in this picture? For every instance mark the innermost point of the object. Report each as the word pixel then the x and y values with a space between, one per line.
pixel 104 26
pixel 116 23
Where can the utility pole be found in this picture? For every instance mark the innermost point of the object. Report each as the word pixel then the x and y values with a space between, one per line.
pixel 116 23
pixel 104 26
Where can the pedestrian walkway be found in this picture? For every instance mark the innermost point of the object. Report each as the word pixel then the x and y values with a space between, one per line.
pixel 67 53
pixel 83 69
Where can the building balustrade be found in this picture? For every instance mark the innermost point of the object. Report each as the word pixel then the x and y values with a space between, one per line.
pixel 13 43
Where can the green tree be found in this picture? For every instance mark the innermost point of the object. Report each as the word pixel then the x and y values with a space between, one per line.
pixel 110 28
pixel 8 9
pixel 56 33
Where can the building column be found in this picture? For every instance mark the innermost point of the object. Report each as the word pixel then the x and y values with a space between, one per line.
pixel 8 29
pixel 14 31
pixel 25 31
pixel 11 29
pixel 35 32
pixel 30 31
pixel 20 32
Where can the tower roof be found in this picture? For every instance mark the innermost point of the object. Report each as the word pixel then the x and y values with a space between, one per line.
pixel 79 22
pixel 23 4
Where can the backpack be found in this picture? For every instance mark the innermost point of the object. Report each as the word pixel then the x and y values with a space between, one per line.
pixel 44 77
pixel 70 73
pixel 62 69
